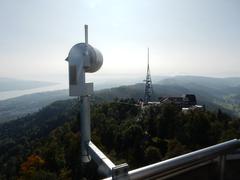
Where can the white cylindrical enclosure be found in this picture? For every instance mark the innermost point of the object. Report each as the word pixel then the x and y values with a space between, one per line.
pixel 96 59
pixel 84 52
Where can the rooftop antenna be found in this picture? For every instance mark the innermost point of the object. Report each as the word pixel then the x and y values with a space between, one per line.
pixel 83 58
pixel 148 83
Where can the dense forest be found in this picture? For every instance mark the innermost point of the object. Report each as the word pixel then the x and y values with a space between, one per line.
pixel 45 145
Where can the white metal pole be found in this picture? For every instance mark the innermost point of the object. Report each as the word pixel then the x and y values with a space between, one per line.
pixel 85 127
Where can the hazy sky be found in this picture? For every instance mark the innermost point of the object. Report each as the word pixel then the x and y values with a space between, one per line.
pixel 185 37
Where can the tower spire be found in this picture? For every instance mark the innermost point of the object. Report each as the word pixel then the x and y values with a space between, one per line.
pixel 148 83
pixel 148 59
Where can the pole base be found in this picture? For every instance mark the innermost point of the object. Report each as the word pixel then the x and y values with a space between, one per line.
pixel 85 159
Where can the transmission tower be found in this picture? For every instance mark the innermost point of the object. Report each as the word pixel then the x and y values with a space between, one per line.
pixel 148 84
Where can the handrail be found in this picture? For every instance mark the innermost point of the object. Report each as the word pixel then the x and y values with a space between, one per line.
pixel 184 161
pixel 196 156
pixel 105 164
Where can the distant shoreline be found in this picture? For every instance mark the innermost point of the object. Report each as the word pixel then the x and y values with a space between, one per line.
pixel 4 95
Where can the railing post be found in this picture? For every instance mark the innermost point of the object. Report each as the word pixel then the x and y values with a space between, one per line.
pixel 222 164
pixel 120 172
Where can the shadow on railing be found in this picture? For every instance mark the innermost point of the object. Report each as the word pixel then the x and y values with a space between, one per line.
pixel 221 161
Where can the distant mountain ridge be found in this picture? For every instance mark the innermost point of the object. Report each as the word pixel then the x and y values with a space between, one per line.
pixel 215 93
pixel 218 84
pixel 9 84
pixel 223 93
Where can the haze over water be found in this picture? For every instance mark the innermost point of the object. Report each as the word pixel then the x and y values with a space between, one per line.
pixel 15 93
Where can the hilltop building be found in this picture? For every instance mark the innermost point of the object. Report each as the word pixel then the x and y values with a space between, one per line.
pixel 184 101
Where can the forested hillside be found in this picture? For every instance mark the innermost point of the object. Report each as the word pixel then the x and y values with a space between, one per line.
pixel 13 108
pixel 45 145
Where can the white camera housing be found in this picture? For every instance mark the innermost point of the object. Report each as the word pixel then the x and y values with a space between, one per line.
pixel 82 58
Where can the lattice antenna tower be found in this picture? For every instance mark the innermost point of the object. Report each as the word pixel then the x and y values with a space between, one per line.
pixel 148 83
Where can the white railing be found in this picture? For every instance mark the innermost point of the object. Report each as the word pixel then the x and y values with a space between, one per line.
pixel 184 163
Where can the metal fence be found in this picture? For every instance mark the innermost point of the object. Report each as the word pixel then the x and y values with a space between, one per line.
pixel 184 163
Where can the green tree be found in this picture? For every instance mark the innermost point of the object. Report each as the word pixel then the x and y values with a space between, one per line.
pixel 152 154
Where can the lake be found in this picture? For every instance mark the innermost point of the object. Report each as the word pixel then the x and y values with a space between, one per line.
pixel 12 94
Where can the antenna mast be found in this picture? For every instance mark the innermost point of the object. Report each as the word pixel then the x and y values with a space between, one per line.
pixel 86 33
pixel 148 83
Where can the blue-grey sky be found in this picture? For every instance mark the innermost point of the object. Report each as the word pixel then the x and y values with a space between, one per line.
pixel 185 37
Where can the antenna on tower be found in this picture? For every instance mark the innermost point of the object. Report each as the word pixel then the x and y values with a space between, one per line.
pixel 148 83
